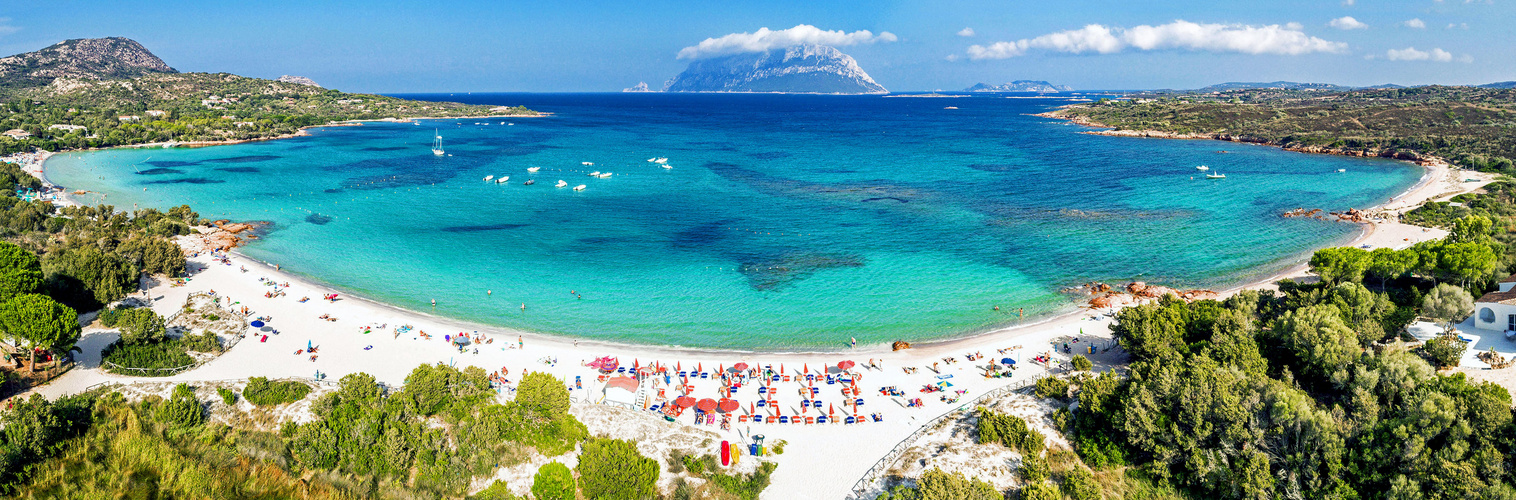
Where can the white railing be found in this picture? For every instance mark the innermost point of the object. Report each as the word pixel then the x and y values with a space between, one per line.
pixel 875 473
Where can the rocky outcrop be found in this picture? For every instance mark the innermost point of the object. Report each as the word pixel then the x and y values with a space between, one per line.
pixel 639 87
pixel 219 235
pixel 1020 86
pixel 900 345
pixel 84 58
pixel 299 79
pixel 1103 295
pixel 815 69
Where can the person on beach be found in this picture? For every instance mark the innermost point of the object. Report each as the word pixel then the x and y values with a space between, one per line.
pixel 523 307
pixel 490 293
pixel 520 342
pixel 853 342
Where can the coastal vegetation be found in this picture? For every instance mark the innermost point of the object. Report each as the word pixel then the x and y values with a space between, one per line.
pixel 1469 126
pixel 1304 393
pixel 430 438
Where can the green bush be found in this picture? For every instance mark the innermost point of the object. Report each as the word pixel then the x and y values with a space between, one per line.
pixel 1040 491
pixel 1081 363
pixel 204 342
pixel 182 409
pixel 1052 387
pixel 227 396
pixel 1445 351
pixel 496 491
pixel 553 481
pixel 744 486
pixel 1079 484
pixel 140 326
pixel 151 360
pixel 1034 468
pixel 1009 430
pixel 260 391
pixel 111 316
pixel 612 469
pixel 541 390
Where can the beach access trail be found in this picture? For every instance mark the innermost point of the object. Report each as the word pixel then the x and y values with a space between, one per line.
pixel 821 461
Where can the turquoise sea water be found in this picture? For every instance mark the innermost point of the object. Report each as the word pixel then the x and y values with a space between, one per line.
pixel 786 222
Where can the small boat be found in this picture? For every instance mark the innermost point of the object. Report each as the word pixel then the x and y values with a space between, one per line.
pixel 667 166
pixel 1341 170
pixel 528 182
pixel 437 144
pixel 660 160
pixel 1202 168
pixel 488 178
pixel 604 175
pixel 579 187
pixel 1215 176
pixel 533 169
pixel 951 107
pixel 587 163
pixel 561 183
pixel 595 173
pixel 503 179
pixel 650 160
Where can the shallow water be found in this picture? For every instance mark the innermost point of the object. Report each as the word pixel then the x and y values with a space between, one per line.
pixel 786 222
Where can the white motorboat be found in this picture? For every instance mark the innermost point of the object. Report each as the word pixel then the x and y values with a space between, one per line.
pixel 503 179
pixel 587 163
pixel 604 175
pixel 660 160
pixel 560 183
pixel 579 187
pixel 533 169
pixel 529 182
pixel 1341 170
pixel 667 166
pixel 488 178
pixel 1202 168
pixel 650 160
pixel 595 173
pixel 1215 176
pixel 437 143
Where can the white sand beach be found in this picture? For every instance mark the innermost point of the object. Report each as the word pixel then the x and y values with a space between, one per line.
pixel 820 461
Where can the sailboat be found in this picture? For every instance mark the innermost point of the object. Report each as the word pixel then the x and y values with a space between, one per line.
pixel 437 144
pixel 1202 168
pixel 1215 176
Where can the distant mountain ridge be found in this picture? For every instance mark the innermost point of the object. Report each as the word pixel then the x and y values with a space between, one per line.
pixel 84 58
pixel 1221 87
pixel 298 79
pixel 1498 85
pixel 817 69
pixel 1020 86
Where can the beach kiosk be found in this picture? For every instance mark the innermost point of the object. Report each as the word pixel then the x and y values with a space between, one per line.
pixel 621 391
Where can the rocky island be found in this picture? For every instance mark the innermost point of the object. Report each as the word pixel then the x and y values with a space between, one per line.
pixel 815 69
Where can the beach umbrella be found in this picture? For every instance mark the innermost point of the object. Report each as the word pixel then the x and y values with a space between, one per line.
pixel 679 366
pixel 706 405
pixel 256 324
pixel 727 405
pixel 845 365
pixel 740 367
pixel 698 367
pixel 752 408
pixel 684 401
pixel 830 410
pixel 806 369
pixel 1007 361
pixel 636 364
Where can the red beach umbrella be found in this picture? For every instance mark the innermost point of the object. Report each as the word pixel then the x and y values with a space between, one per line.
pixel 781 368
pixel 845 365
pixel 684 401
pixel 635 364
pixel 752 408
pixel 741 367
pixel 830 410
pixel 706 405
pixel 727 405
pixel 807 369
pixel 678 366
pixel 720 368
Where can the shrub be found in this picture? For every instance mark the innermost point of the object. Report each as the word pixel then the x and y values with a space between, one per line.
pixel 938 485
pixel 746 486
pixel 182 409
pixel 140 326
pixel 205 342
pixel 1034 468
pixel 496 491
pixel 1052 387
pixel 227 396
pixel 261 392
pixel 1040 491
pixel 553 481
pixel 1081 363
pixel 1009 430
pixel 145 360
pixel 110 317
pixel 541 390
pixel 612 469
pixel 1080 484
pixel 1445 351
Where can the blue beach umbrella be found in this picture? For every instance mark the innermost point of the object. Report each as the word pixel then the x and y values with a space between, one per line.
pixel 1007 361
pixel 256 324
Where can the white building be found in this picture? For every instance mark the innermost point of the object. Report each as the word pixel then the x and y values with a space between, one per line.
pixel 1497 310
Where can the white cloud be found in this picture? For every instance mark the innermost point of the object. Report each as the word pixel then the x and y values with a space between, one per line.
pixel 1411 54
pixel 966 32
pixel 1457 26
pixel 6 28
pixel 766 39
pixel 1347 23
pixel 1179 35
pixel 1349 3
pixel 1415 23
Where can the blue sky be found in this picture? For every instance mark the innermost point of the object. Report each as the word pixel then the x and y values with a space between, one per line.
pixel 485 46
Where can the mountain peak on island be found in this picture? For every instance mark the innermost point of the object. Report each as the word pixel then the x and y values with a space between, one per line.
pixel 84 58
pixel 815 69
pixel 1019 86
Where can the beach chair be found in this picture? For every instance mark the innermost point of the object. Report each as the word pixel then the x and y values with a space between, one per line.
pixel 784 419
pixel 830 380
pixel 786 378
pixel 621 370
pixel 710 419
pixel 858 402
pixel 815 391
pixel 773 419
pixel 684 374
pixel 775 378
pixel 763 390
pixel 762 403
pixel 816 404
pixel 741 419
pixel 851 419
pixel 821 419
pixel 705 375
pixel 810 420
